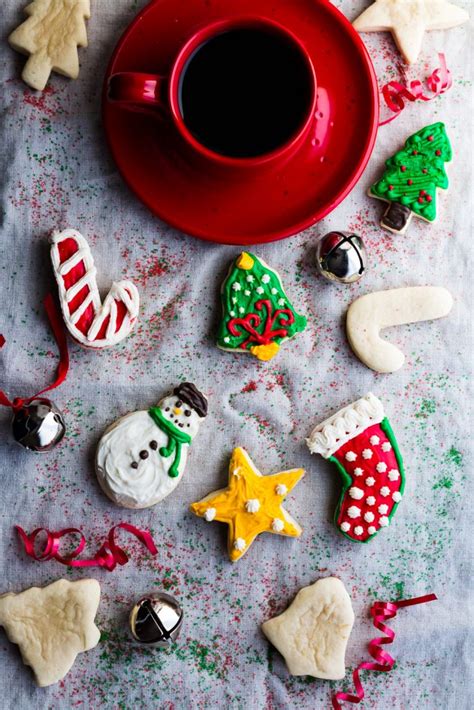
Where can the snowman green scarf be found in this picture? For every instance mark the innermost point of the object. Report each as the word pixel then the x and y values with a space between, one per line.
pixel 176 439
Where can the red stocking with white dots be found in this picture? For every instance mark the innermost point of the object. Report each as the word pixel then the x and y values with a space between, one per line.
pixel 360 441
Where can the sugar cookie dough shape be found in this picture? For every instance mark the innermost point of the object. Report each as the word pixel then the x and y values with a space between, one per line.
pixel 408 20
pixel 251 504
pixel 360 442
pixel 51 625
pixel 312 634
pixel 51 35
pixel 370 314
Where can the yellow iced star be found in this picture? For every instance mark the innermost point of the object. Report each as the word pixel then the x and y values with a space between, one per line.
pixel 408 20
pixel 251 503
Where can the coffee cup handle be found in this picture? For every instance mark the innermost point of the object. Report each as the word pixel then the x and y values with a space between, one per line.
pixel 134 90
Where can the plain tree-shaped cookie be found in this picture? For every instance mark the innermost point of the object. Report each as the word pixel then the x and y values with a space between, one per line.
pixel 51 35
pixel 51 625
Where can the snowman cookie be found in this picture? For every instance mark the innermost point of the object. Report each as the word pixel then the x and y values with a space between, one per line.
pixel 141 458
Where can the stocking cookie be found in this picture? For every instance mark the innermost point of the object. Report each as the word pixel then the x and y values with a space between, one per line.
pixel 408 20
pixel 251 504
pixel 141 458
pixel 360 442
pixel 312 634
pixel 51 35
pixel 413 177
pixel 257 315
pixel 90 321
pixel 51 625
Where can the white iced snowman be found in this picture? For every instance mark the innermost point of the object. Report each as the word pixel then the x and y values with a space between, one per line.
pixel 141 458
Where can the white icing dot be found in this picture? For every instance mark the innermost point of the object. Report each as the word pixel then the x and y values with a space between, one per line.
pixel 358 471
pixel 356 493
pixel 386 446
pixel 210 514
pixel 358 529
pixel 367 453
pixel 277 524
pixel 234 300
pixel 345 527
pixel 370 500
pixel 353 511
pixel 281 489
pixel 393 474
pixel 369 517
pixel 252 505
pixel 350 456
pixel 232 313
pixel 236 286
pixel 281 301
pixel 226 339
pixel 397 496
pixel 259 290
pixel 274 291
pixel 385 491
pixel 265 278
pixel 371 530
pixel 374 440
pixel 240 544
pixel 381 467
pixel 241 310
pixel 247 292
pixel 370 481
pixel 384 521
pixel 249 278
pixel 383 509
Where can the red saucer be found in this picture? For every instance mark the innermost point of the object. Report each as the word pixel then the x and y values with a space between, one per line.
pixel 247 208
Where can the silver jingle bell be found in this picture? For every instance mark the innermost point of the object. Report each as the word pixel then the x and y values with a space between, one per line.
pixel 341 256
pixel 38 425
pixel 156 619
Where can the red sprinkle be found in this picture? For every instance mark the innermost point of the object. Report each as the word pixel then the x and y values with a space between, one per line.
pixel 428 198
pixel 403 168
pixel 421 200
pixel 424 170
pixel 430 138
pixel 390 187
pixel 415 152
pixel 422 192
pixel 438 152
pixel 409 182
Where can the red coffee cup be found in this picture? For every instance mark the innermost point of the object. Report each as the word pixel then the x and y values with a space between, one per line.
pixel 160 94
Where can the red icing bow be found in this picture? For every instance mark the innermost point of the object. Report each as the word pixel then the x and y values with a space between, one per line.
pixel 380 612
pixel 108 556
pixel 283 316
pixel 394 93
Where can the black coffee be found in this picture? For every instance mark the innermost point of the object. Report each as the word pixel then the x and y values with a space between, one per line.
pixel 245 92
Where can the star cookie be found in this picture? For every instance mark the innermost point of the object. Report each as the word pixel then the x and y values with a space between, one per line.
pixel 51 625
pixel 408 20
pixel 251 504
pixel 312 634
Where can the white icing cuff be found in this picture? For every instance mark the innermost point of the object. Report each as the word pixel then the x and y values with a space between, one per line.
pixel 330 435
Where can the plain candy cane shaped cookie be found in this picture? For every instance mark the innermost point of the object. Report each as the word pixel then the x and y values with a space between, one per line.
pixel 370 314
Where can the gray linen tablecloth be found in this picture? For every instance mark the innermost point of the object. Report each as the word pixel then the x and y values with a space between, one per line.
pixel 56 173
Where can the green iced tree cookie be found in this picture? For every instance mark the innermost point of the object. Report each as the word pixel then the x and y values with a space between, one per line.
pixel 412 176
pixel 257 314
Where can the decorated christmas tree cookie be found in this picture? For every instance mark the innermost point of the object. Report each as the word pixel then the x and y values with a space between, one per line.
pixel 257 313
pixel 360 441
pixel 412 177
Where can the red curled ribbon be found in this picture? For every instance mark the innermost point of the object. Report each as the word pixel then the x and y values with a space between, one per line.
pixel 394 92
pixel 56 323
pixel 380 612
pixel 109 555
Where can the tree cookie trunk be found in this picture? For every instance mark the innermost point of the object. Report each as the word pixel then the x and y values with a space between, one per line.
pixel 397 217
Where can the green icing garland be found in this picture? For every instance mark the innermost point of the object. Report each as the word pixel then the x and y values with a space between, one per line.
pixel 413 174
pixel 257 314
